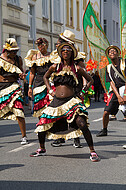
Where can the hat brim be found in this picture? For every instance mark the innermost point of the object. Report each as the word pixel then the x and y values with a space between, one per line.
pixel 112 47
pixel 67 44
pixel 10 49
pixel 66 39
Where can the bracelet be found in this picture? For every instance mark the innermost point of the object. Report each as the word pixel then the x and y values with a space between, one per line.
pixel 84 87
pixel 50 91
pixel 30 85
pixel 124 94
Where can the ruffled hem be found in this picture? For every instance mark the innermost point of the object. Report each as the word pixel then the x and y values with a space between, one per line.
pixel 16 113
pixel 39 112
pixel 68 110
pixel 71 135
pixel 9 67
pixel 10 89
pixel 39 89
pixel 61 110
pixel 39 62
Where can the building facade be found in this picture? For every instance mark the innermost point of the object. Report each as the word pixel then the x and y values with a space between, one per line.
pixel 27 20
pixel 111 20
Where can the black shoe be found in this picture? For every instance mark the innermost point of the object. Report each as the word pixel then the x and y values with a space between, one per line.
pixel 58 142
pixel 77 143
pixel 102 133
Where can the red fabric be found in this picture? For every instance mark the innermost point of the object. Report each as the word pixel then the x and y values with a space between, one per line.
pixel 47 120
pixel 18 105
pixel 2 105
pixel 109 99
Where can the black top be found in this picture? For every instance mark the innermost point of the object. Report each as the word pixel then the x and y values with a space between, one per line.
pixel 117 80
pixel 5 73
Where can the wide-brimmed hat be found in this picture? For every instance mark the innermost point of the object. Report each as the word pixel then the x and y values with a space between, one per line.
pixel 112 47
pixel 67 44
pixel 68 36
pixel 10 44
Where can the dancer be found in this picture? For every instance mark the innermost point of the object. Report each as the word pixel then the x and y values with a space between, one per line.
pixel 11 68
pixel 66 116
pixel 114 75
pixel 38 61
pixel 66 36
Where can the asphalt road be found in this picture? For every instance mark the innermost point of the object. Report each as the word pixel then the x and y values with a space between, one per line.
pixel 64 167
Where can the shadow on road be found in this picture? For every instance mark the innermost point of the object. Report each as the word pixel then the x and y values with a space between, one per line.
pixel 30 185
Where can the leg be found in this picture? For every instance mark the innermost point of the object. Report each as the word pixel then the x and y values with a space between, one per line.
pixel 41 151
pixel 81 123
pixel 41 137
pixel 103 132
pixel 21 123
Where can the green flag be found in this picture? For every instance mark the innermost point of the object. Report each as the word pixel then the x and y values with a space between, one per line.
pixel 123 27
pixel 97 41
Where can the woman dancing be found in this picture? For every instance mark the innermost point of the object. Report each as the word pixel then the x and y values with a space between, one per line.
pixel 65 117
pixel 38 61
pixel 10 91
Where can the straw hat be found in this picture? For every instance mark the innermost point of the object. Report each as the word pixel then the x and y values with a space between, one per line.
pixel 11 44
pixel 67 44
pixel 112 47
pixel 68 36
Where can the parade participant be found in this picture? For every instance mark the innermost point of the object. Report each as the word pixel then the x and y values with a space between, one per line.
pixel 11 68
pixel 68 36
pixel 38 61
pixel 66 116
pixel 114 75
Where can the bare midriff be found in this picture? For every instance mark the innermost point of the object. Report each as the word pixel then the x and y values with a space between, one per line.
pixel 64 91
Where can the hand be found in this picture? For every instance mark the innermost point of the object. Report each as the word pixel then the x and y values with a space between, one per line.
pixel 30 92
pixel 22 75
pixel 52 94
pixel 121 100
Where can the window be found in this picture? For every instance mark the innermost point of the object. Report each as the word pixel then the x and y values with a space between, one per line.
pixel 31 21
pixel 17 38
pixel 57 11
pixel 117 33
pixel 105 26
pixel 71 13
pixel 45 8
pixel 14 2
pixel 113 30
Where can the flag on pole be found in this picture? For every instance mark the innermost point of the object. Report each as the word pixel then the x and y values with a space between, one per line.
pixel 97 41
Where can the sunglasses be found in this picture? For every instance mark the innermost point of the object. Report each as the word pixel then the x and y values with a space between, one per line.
pixel 66 49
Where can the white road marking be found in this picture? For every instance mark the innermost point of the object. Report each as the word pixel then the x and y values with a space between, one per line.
pixel 97 119
pixel 22 147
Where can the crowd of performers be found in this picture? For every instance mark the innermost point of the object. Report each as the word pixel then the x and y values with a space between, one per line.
pixel 58 82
